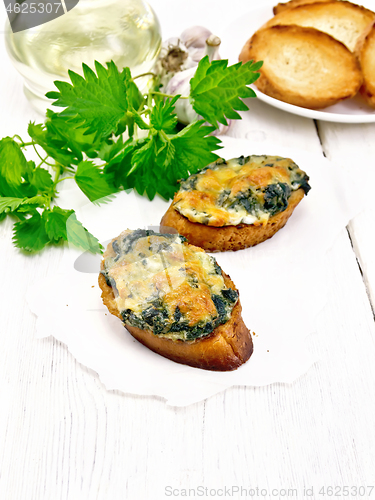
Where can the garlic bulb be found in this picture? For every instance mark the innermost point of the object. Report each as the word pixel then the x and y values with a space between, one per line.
pixel 177 66
pixel 194 39
pixel 195 36
pixel 179 54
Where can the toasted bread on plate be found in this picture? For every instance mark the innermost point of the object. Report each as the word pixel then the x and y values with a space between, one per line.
pixel 303 66
pixel 365 52
pixel 342 20
pixel 280 7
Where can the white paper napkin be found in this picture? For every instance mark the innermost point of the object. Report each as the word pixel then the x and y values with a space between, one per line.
pixel 282 288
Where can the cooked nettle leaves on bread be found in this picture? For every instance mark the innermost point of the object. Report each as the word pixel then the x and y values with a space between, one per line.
pixel 175 299
pixel 238 203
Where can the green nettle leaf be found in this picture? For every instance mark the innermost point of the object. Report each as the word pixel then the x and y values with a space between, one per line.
pixel 193 150
pixel 161 160
pixel 135 167
pixel 142 157
pixel 134 96
pixel 138 120
pixel 39 134
pixel 55 223
pixel 80 237
pixel 30 205
pixel 65 135
pixel 216 89
pixel 135 103
pixel 18 206
pixel 9 204
pixel 99 107
pixel 92 181
pixel 163 116
pixel 30 234
pixel 117 170
pixel 13 170
pixel 41 179
pixel 133 171
pixel 99 101
pixel 151 190
pixel 109 149
pixel 166 151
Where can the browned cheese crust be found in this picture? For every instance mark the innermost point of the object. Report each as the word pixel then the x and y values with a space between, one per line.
pixel 365 53
pixel 222 239
pixel 225 349
pixel 303 66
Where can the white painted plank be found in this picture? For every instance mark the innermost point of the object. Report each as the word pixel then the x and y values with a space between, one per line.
pixel 353 147
pixel 65 437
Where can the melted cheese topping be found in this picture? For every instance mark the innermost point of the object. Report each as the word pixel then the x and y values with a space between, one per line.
pixel 235 192
pixel 160 277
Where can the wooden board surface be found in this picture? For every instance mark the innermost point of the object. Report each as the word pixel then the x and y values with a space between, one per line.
pixel 64 436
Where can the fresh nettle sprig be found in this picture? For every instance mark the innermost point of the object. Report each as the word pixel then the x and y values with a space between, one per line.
pixel 109 137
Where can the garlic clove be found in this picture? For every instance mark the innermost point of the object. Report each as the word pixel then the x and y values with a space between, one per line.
pixel 180 82
pixel 195 37
pixel 212 48
pixel 213 41
pixel 197 54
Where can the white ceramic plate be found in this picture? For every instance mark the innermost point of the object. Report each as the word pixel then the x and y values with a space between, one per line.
pixel 234 38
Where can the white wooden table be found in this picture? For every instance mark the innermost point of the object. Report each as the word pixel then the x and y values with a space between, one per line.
pixel 64 436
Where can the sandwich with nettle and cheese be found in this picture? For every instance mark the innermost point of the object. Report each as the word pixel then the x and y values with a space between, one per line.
pixel 175 299
pixel 235 204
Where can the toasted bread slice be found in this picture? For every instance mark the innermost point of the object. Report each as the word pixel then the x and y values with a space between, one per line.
pixel 365 52
pixel 280 7
pixel 237 203
pixel 228 238
pixel 226 348
pixel 343 20
pixel 303 66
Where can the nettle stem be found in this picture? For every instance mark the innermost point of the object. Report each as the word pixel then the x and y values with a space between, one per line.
pixel 144 74
pixel 58 172
pixel 42 160
pixel 168 95
pixel 64 179
pixel 23 144
pixel 164 135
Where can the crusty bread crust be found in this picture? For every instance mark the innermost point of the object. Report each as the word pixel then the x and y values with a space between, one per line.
pixel 226 238
pixel 342 20
pixel 225 349
pixel 280 7
pixel 303 66
pixel 365 53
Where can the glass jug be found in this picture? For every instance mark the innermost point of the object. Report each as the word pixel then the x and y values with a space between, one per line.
pixel 125 31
